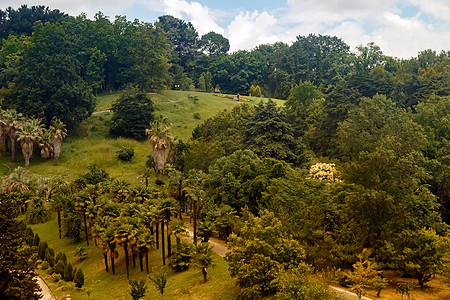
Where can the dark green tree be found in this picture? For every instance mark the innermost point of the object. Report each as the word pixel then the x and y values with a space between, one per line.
pixel 79 278
pixel 16 268
pixel 132 113
pixel 214 43
pixel 137 289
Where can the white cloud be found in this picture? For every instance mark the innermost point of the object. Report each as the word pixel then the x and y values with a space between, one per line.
pixel 200 16
pixel 248 30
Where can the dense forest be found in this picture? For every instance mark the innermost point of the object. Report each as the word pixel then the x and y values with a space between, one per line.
pixel 355 165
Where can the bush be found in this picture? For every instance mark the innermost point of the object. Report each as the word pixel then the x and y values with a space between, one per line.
pixel 45 265
pixel 61 256
pixel 79 279
pixel 68 275
pixel 36 212
pixel 29 236
pixel 181 258
pixel 56 277
pixel 125 153
pixel 50 256
pixel 42 250
pixel 36 240
pixel 59 268
pixel 197 116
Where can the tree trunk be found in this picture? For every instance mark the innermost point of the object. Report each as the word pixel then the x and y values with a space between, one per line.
pixel 5 144
pixel 159 156
pixel 141 265
pixel 56 149
pixel 157 235
pixel 146 259
pixel 112 259
pixel 195 221
pixel 27 150
pixel 85 230
pixel 105 256
pixel 169 245
pixel 133 253
pixel 204 274
pixel 59 223
pixel 13 149
pixel 162 243
pixel 125 249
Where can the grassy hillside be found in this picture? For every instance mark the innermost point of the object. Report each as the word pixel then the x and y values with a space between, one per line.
pixel 91 142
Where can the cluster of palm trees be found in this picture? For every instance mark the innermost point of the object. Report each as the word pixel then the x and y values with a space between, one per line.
pixel 117 215
pixel 29 132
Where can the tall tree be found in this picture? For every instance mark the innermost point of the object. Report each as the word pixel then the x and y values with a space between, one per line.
pixel 59 132
pixel 160 139
pixel 214 43
pixel 17 275
pixel 29 134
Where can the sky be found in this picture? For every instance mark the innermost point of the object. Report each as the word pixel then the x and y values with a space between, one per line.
pixel 401 28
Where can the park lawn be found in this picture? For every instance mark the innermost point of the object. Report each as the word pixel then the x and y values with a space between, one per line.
pixel 102 285
pixel 91 143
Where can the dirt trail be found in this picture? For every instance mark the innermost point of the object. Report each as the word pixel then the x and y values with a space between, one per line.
pixel 46 294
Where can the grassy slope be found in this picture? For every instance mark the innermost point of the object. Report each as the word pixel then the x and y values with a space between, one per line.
pixel 91 142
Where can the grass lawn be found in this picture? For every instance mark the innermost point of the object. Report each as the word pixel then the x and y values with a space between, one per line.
pixel 102 285
pixel 91 143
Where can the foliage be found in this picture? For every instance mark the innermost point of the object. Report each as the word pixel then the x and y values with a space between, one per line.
pixel 137 289
pixel 159 278
pixel 364 276
pixel 181 257
pixel 421 253
pixel 94 176
pixel 125 153
pixel 36 212
pixel 260 251
pixel 204 258
pixel 295 284
pixel 16 268
pixel 324 171
pixel 68 272
pixel 79 278
pixel 131 114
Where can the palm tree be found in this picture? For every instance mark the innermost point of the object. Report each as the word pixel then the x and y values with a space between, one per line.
pixel 168 208
pixel 206 228
pixel 3 132
pixel 46 144
pixel 160 139
pixel 13 121
pixel 145 241
pixel 110 238
pixel 204 258
pixel 81 204
pixel 176 180
pixel 29 133
pixel 59 132
pixel 100 227
pixel 178 228
pixel 125 234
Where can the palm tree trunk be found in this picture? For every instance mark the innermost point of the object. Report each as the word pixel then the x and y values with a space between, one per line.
pixel 13 149
pixel 195 222
pixel 5 145
pixel 127 262
pixel 59 223
pixel 157 236
pixel 204 274
pixel 141 265
pixel 169 245
pixel 112 259
pixel 146 259
pixel 162 243
pixel 56 149
pixel 85 230
pixel 105 256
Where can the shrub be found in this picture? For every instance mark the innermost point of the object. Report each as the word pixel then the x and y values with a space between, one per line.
pixel 125 153
pixel 79 279
pixel 61 256
pixel 68 275
pixel 181 258
pixel 36 240
pixel 50 257
pixel 59 268
pixel 42 249
pixel 29 236
pixel 45 265
pixel 197 116
pixel 36 212
pixel 56 277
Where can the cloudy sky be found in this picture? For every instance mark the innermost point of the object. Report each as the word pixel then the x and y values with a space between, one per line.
pixel 401 28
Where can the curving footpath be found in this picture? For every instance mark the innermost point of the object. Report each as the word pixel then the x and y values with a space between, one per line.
pixel 46 293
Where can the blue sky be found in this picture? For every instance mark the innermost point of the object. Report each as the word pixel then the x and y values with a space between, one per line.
pixel 401 28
